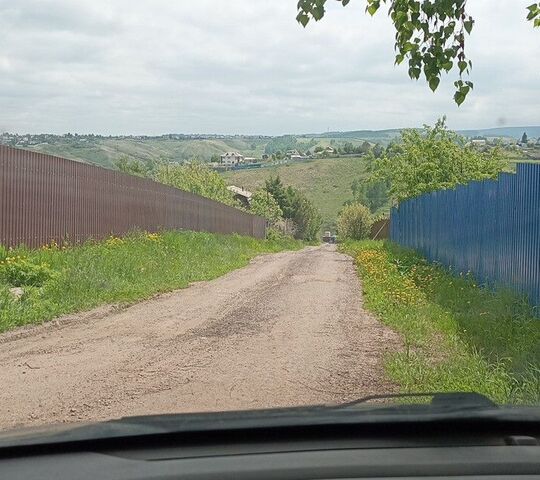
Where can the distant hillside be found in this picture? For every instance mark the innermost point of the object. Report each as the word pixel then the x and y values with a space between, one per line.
pixel 327 182
pixel 511 132
pixel 385 136
pixel 375 136
pixel 104 151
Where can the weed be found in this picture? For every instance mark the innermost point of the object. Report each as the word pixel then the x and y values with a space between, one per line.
pixel 458 336
pixel 62 280
pixel 18 271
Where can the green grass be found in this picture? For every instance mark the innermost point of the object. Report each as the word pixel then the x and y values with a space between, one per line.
pixel 124 271
pixel 104 151
pixel 327 182
pixel 457 335
pixel 530 155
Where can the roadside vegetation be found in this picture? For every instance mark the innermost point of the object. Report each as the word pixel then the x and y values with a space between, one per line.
pixel 326 182
pixel 354 222
pixel 41 284
pixel 288 211
pixel 458 336
pixel 296 208
pixel 196 178
pixel 421 161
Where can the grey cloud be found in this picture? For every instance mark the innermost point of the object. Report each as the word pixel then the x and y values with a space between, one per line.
pixel 56 16
pixel 241 66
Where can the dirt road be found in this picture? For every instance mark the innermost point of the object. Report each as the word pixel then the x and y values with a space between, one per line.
pixel 288 329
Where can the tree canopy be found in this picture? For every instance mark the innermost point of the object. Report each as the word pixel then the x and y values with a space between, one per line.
pixel 296 207
pixel 264 204
pixel 430 35
pixel 432 159
pixel 134 166
pixel 196 178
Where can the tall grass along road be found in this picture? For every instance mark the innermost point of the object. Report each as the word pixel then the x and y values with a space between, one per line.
pixel 58 279
pixel 458 336
pixel 288 329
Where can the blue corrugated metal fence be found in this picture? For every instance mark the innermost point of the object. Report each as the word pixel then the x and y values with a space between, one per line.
pixel 491 228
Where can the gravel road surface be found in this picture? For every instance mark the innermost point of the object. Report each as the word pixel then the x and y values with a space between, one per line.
pixel 289 329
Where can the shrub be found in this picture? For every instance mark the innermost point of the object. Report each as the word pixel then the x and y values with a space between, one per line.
pixel 286 227
pixel 275 234
pixel 354 222
pixel 264 204
pixel 296 207
pixel 3 253
pixel 196 178
pixel 19 272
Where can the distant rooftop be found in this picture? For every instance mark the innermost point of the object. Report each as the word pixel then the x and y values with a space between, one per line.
pixel 239 191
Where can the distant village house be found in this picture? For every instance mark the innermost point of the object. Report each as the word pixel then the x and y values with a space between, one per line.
pixel 232 158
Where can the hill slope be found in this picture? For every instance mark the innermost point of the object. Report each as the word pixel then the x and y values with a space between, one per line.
pixel 510 132
pixel 327 182
pixel 104 151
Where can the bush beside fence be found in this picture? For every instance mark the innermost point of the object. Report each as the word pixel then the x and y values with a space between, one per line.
pixel 45 198
pixel 490 228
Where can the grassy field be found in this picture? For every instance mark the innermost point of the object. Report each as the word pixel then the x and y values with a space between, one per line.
pixel 457 336
pixel 63 280
pixel 105 151
pixel 531 155
pixel 327 182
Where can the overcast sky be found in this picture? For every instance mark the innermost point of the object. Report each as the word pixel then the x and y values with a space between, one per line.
pixel 245 66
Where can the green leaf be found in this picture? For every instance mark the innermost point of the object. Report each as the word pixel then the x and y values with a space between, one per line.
pixel 434 83
pixel 448 65
pixel 302 18
pixel 534 11
pixel 459 98
pixel 414 72
pixel 372 10
pixel 468 24
pixel 373 7
pixel 465 90
pixel 318 13
pixel 409 46
pixel 462 65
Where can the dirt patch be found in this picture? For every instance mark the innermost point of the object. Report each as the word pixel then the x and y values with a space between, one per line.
pixel 289 329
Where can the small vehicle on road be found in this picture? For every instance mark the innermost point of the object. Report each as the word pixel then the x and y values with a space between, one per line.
pixel 328 237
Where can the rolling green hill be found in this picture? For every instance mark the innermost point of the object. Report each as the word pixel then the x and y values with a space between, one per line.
pixel 327 182
pixel 104 151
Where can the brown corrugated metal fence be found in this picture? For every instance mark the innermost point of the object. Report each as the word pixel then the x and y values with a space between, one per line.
pixel 45 198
